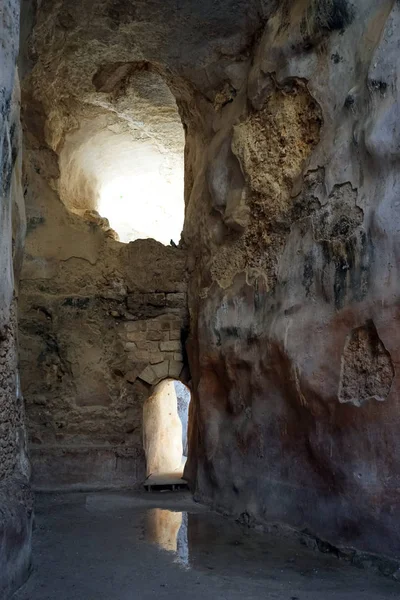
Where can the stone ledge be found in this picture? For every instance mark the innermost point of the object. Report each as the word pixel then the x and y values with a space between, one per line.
pixel 16 518
pixel 85 468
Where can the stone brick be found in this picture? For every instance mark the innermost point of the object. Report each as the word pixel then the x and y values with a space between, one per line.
pixel 165 325
pixel 138 300
pixel 175 334
pixel 175 321
pixel 155 336
pixel 133 373
pixel 130 346
pixel 139 356
pixel 177 300
pixel 157 357
pixel 136 336
pixel 178 356
pixel 162 369
pixel 154 325
pixel 171 346
pixel 178 313
pixel 131 376
pixel 157 299
pixel 175 369
pixel 150 346
pixel 148 375
pixel 135 326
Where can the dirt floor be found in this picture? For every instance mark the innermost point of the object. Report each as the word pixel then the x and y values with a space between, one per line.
pixel 115 546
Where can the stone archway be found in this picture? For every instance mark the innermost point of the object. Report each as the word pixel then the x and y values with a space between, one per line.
pixel 165 420
pixel 154 347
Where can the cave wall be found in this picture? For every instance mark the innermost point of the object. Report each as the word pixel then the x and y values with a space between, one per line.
pixel 15 496
pixel 295 344
pixel 291 117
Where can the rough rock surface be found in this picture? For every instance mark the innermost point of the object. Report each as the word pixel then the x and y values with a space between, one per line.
pixel 98 328
pixel 15 498
pixel 291 113
pixel 99 337
pixel 293 342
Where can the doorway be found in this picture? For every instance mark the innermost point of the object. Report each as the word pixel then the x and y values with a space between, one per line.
pixel 165 427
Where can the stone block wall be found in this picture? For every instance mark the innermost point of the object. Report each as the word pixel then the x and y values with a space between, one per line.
pixel 98 329
pixel 295 330
pixel 157 344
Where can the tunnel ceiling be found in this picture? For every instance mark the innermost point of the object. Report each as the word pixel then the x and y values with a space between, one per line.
pixel 83 51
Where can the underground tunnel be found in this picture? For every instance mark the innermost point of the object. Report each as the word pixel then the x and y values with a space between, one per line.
pixel 199 204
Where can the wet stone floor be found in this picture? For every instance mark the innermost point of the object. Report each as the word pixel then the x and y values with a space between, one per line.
pixel 105 546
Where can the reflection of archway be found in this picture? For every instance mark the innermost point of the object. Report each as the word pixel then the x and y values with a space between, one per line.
pixel 165 423
pixel 169 530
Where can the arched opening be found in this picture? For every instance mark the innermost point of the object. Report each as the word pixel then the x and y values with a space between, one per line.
pixel 122 165
pixel 165 427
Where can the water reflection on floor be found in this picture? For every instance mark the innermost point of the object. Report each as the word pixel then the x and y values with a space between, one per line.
pixel 162 528
pixel 120 546
pixel 208 542
pixel 169 530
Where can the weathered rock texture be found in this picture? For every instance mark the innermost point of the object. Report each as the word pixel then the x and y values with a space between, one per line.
pixel 101 322
pixel 15 498
pixel 291 113
pixel 92 345
pixel 294 342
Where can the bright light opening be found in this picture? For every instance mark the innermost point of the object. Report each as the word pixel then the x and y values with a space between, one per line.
pixel 127 163
pixel 165 429
pixel 146 204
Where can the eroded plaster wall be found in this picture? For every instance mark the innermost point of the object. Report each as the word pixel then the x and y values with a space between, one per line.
pixel 290 111
pixel 97 330
pixel 15 496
